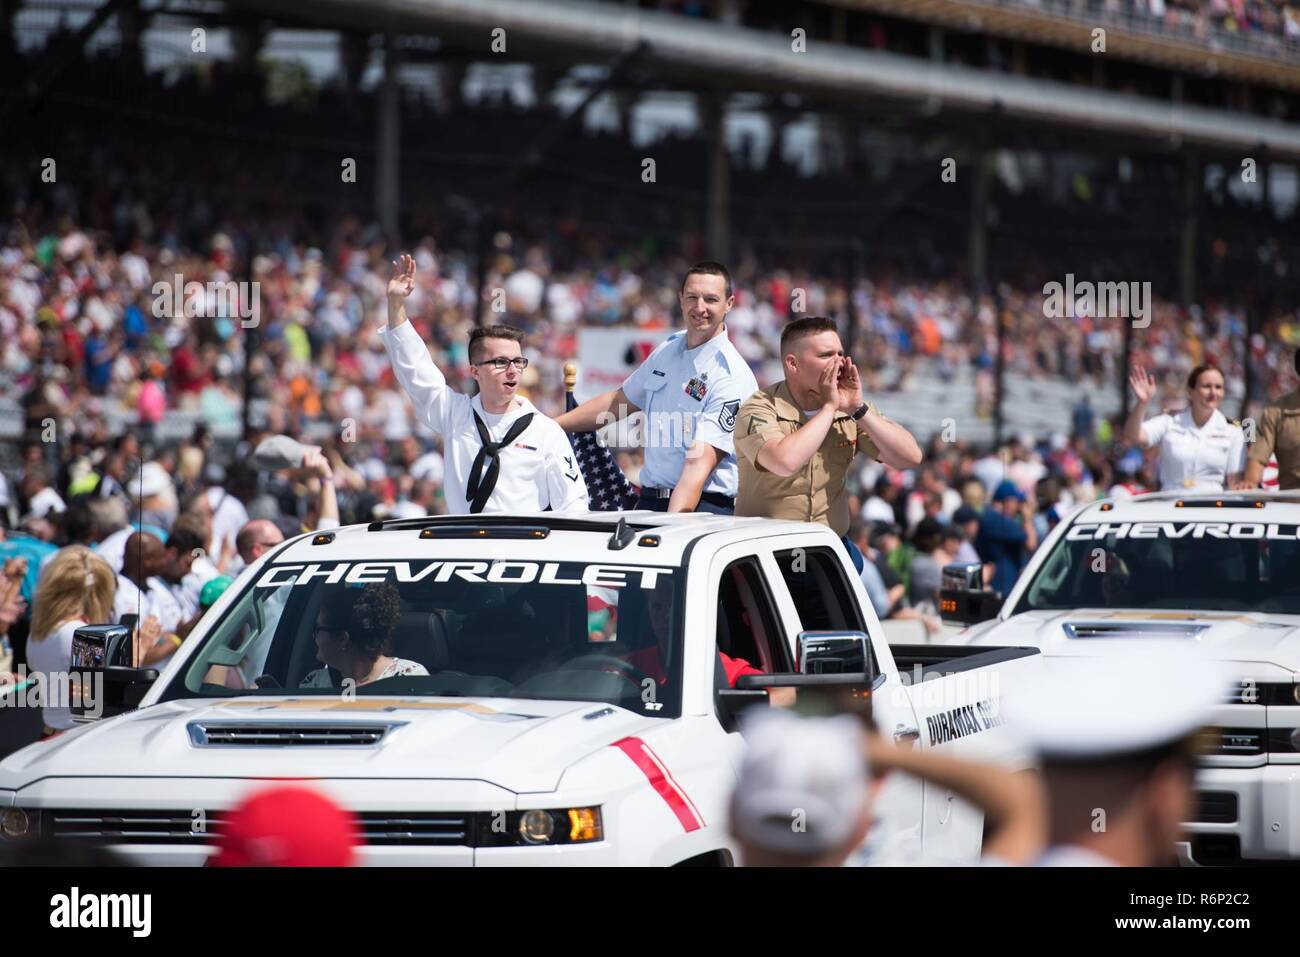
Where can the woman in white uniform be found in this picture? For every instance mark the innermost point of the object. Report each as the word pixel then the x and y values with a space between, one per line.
pixel 1199 448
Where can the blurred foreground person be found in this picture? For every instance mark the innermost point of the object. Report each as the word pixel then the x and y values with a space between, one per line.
pixel 807 785
pixel 287 826
pixel 1117 747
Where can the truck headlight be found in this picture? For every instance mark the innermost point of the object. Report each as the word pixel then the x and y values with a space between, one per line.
pixel 14 822
pixel 539 827
pixel 536 827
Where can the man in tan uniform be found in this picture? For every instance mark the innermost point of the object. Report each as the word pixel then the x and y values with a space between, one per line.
pixel 796 440
pixel 1278 434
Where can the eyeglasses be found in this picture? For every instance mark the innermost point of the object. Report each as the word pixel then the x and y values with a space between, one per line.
pixel 500 363
pixel 327 633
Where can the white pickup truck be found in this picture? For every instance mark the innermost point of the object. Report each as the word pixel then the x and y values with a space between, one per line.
pixel 1218 570
pixel 575 710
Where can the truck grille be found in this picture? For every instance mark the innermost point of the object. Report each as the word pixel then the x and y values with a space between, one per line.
pixel 1215 807
pixel 220 734
pixel 132 827
pixel 388 828
pixel 408 828
pixel 1230 741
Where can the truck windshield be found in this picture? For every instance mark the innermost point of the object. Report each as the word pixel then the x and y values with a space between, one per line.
pixel 518 629
pixel 1188 565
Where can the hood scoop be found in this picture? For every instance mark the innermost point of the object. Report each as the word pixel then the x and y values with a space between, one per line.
pixel 1132 629
pixel 253 734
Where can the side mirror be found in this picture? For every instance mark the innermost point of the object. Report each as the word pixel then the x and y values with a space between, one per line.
pixel 962 596
pixel 837 675
pixel 845 653
pixel 101 646
pixel 103 682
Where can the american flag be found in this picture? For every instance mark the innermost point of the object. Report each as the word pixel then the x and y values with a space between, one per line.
pixel 607 486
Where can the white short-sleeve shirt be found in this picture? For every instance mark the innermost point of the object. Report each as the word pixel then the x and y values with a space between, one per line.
pixel 1195 458
pixel 690 395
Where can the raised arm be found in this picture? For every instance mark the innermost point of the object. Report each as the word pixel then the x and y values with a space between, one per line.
pixel 1144 387
pixel 786 455
pixel 420 378
pixel 896 446
pixel 327 512
pixel 399 287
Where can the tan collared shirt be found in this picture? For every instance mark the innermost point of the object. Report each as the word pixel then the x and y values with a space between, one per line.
pixel 1279 434
pixel 815 493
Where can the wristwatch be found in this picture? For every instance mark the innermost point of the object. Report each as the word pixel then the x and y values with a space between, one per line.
pixel 859 412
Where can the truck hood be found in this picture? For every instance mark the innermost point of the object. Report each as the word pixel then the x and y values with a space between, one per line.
pixel 1245 637
pixel 520 745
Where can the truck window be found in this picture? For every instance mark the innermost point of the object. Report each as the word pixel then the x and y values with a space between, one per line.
pixel 819 589
pixel 747 619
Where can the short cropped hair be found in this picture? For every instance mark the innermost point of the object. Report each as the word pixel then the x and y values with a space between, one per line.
pixel 708 268
pixel 492 332
pixel 807 326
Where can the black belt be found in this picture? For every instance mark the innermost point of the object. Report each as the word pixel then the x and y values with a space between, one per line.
pixel 713 498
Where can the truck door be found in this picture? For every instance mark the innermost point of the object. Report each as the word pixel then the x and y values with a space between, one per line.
pixel 747 627
pixel 814 593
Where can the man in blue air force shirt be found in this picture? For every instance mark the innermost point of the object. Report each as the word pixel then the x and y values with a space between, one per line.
pixel 691 388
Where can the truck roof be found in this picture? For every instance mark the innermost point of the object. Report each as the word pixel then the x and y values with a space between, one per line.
pixel 1191 505
pixel 655 538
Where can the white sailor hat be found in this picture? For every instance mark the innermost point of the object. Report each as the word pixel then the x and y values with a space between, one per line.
pixel 1147 694
pixel 803 783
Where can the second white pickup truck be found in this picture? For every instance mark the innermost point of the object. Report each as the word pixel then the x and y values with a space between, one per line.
pixel 574 700
pixel 1220 571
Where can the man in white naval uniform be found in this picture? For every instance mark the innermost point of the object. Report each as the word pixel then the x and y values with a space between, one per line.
pixel 502 455
pixel 1116 743
pixel 691 388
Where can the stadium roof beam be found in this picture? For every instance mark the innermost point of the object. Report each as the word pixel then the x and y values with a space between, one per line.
pixel 715 55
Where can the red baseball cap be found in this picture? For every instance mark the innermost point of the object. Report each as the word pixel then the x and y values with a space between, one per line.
pixel 287 826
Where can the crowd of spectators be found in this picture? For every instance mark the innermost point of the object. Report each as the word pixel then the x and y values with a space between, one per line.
pixel 83 334
pixel 93 264
pixel 1201 17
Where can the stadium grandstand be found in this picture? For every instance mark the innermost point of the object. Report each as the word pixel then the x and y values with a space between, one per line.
pixel 919 170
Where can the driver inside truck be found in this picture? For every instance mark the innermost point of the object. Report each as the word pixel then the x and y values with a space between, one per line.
pixel 652 660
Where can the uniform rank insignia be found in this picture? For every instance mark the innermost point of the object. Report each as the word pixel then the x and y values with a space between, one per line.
pixel 696 389
pixel 727 418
